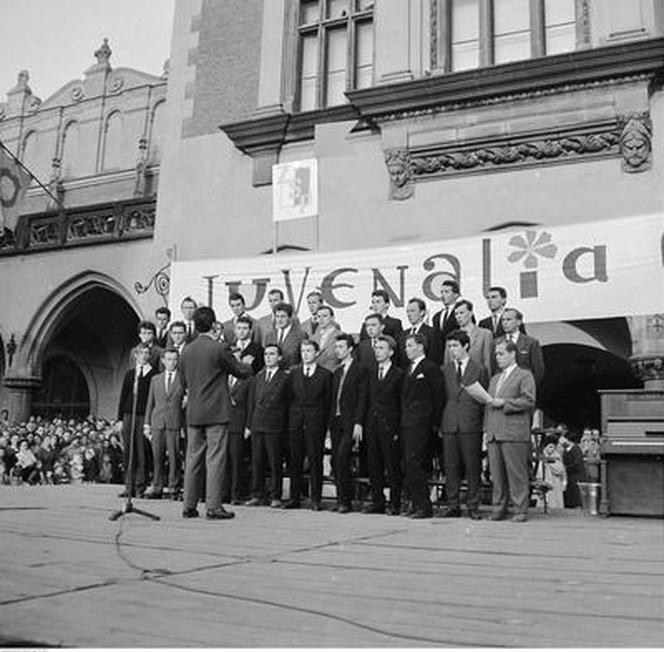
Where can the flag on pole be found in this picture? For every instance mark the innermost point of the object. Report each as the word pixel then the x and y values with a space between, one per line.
pixel 14 182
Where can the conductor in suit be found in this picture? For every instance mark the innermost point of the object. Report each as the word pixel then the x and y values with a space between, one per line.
pixel 267 418
pixel 164 418
pixel 422 399
pixel 507 426
pixel 205 366
pixel 461 427
pixel 308 419
pixel 380 304
pixel 380 404
pixel 346 428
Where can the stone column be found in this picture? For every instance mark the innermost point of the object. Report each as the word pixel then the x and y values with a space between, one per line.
pixel 20 388
pixel 647 359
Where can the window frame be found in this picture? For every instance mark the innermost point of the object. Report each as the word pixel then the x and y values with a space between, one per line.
pixel 321 29
pixel 441 32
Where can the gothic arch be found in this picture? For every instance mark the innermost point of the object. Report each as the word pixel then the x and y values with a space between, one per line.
pixel 56 305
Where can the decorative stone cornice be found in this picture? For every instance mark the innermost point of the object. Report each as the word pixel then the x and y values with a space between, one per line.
pixel 648 368
pixel 522 78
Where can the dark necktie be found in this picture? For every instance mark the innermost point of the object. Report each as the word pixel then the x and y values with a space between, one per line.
pixel 381 372
pixel 458 372
pixel 168 382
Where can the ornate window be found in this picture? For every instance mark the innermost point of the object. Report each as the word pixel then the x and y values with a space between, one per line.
pixel 71 164
pixel 335 52
pixel 470 34
pixel 113 150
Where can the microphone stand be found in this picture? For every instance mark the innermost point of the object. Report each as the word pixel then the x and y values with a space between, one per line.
pixel 128 506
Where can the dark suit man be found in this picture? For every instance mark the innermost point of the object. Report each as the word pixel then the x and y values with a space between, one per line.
pixel 380 304
pixel 308 418
pixel 345 428
pixel 164 418
pixel 267 418
pixel 416 313
pixel 496 298
pixel 188 308
pixel 507 426
pixel 162 317
pixel 380 404
pixel 238 307
pixel 245 344
pixel 238 398
pixel 444 321
pixel 528 349
pixel 147 333
pixel 461 428
pixel 205 366
pixel 422 399
pixel 364 351
pixel 286 334
pixel 131 412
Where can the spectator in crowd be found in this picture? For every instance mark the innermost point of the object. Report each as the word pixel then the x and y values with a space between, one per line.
pixel 147 335
pixel 551 471
pixel 572 458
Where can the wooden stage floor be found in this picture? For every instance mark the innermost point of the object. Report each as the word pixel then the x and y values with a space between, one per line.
pixel 273 578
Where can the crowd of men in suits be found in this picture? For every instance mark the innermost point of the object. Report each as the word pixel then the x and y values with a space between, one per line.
pixel 402 395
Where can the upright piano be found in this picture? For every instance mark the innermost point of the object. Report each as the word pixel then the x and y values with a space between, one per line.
pixel 632 452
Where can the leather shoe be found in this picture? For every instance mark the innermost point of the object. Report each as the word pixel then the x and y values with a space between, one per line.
pixel 344 509
pixel 498 516
pixel 276 504
pixel 474 515
pixel 374 509
pixel 189 513
pixel 420 514
pixel 519 518
pixel 219 514
pixel 316 506
pixel 450 512
pixel 254 502
pixel 292 504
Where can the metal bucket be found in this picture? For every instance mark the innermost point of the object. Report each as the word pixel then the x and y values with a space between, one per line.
pixel 590 493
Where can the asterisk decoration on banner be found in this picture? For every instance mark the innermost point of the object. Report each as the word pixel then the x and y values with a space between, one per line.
pixel 530 247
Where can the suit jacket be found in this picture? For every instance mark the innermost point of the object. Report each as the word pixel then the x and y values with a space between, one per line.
pixel 162 339
pixel 481 347
pixel 290 347
pixel 391 326
pixel 499 331
pixel 364 354
pixel 154 358
pixel 265 331
pixel 422 398
pixel 433 351
pixel 348 401
pixel 205 366
pixel 511 422
pixel 268 402
pixel 255 349
pixel 450 324
pixel 238 398
pixel 529 356
pixel 462 413
pixel 309 399
pixel 126 402
pixel 310 326
pixel 326 339
pixel 380 400
pixel 164 410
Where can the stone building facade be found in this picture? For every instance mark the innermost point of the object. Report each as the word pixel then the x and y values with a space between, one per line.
pixel 72 267
pixel 430 120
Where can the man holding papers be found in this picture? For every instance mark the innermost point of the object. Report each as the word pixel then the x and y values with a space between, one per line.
pixel 461 428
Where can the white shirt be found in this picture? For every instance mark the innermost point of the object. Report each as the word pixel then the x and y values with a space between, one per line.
pixel 384 368
pixel 269 373
pixel 464 364
pixel 415 328
pixel 286 330
pixel 504 376
pixel 310 369
pixel 415 362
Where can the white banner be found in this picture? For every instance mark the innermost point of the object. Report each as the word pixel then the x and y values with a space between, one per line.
pixel 294 190
pixel 601 269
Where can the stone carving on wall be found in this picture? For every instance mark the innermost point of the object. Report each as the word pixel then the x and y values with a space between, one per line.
pixel 635 141
pixel 648 368
pixel 139 219
pixel 94 225
pixel 141 168
pixel 115 84
pixel 398 162
pixel 77 93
